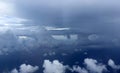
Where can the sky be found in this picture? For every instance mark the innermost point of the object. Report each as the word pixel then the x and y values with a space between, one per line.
pixel 90 24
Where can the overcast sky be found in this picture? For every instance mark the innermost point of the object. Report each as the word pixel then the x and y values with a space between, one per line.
pixel 99 18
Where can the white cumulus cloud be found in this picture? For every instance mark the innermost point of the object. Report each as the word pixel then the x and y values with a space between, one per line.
pixel 25 69
pixel 93 66
pixel 53 67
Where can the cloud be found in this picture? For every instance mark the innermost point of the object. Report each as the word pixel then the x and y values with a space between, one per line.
pixel 98 18
pixel 25 69
pixel 79 69
pixel 56 67
pixel 54 28
pixel 53 67
pixel 11 21
pixel 72 13
pixel 112 64
pixel 93 66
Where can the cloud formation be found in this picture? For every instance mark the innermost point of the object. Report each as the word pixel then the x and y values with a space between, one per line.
pixel 53 67
pixel 79 69
pixel 100 18
pixel 25 69
pixel 94 67
pixel 90 23
pixel 90 66
pixel 112 64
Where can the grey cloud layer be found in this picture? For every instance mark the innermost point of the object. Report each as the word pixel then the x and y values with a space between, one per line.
pixel 100 17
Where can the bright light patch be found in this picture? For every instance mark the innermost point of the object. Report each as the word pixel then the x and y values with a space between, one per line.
pixel 6 8
pixel 54 28
pixel 22 37
pixel 59 37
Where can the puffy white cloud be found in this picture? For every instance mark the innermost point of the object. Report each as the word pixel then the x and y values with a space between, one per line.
pixel 79 69
pixel 53 67
pixel 25 69
pixel 112 64
pixel 28 68
pixel 93 66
